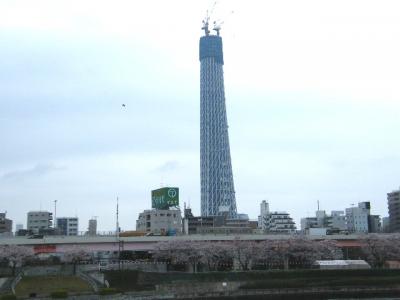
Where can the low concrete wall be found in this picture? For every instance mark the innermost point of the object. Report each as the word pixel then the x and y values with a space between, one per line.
pixel 128 265
pixel 69 269
pixel 49 270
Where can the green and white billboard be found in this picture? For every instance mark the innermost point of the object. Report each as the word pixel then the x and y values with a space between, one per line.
pixel 165 197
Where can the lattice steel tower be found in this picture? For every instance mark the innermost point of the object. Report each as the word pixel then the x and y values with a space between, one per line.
pixel 217 188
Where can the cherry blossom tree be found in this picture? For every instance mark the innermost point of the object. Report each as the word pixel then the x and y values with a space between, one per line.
pixel 74 256
pixel 299 251
pixel 327 249
pixel 245 252
pixel 276 252
pixel 180 252
pixel 380 248
pixel 294 251
pixel 215 254
pixel 304 252
pixel 15 255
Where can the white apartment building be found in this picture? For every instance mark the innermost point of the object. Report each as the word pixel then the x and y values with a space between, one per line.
pixel 37 220
pixel 354 219
pixel 274 222
pixel 278 222
pixel 335 222
pixel 264 211
pixel 357 217
pixel 68 226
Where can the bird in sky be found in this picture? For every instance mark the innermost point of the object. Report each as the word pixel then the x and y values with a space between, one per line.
pixel 123 105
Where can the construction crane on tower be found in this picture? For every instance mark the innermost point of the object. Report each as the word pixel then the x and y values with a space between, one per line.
pixel 216 24
pixel 206 20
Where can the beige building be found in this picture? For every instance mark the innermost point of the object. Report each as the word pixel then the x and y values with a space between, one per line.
pixel 92 228
pixel 39 220
pixel 160 221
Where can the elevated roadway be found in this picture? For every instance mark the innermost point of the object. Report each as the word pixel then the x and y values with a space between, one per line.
pixel 147 243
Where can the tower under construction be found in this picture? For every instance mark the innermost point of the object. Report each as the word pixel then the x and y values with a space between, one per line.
pixel 217 188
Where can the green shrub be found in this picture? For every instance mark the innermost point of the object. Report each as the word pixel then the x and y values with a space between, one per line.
pixel 131 280
pixel 60 294
pixel 8 297
pixel 108 291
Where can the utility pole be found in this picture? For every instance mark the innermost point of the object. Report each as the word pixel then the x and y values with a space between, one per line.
pixel 118 238
pixel 55 214
pixel 117 232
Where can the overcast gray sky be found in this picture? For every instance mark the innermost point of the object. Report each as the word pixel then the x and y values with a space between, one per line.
pixel 312 89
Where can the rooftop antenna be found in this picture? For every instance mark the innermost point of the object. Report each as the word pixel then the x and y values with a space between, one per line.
pixel 318 204
pixel 55 213
pixel 117 233
pixel 118 240
pixel 205 25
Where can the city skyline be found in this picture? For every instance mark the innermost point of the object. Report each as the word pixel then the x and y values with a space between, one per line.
pixel 313 92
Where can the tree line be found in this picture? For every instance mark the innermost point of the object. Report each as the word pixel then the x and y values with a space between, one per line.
pixel 247 255
pixel 292 252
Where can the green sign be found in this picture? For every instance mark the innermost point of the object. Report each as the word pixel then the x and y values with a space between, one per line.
pixel 165 197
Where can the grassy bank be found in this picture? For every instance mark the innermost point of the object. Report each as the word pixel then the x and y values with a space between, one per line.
pixel 45 285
